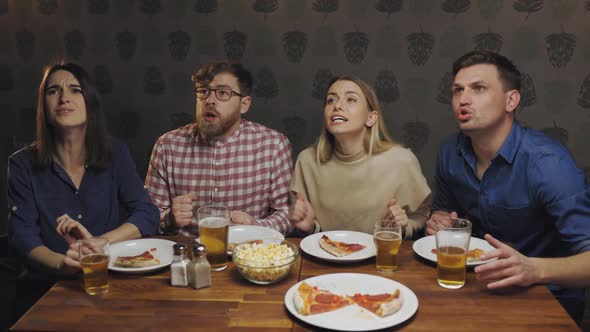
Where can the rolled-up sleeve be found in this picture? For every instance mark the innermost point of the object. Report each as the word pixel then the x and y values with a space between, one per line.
pixel 132 193
pixel 561 186
pixel 23 229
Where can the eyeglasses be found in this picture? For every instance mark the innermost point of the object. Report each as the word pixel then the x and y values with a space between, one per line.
pixel 222 94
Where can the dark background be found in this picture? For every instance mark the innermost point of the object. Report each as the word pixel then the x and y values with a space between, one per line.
pixel 143 52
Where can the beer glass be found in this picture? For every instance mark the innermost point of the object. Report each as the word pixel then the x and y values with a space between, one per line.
pixel 214 229
pixel 452 244
pixel 387 236
pixel 94 260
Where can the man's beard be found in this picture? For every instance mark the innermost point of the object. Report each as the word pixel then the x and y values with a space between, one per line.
pixel 217 129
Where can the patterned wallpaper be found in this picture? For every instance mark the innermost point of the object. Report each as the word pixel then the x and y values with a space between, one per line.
pixel 142 53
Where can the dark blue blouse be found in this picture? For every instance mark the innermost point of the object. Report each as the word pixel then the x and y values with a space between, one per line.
pixel 36 197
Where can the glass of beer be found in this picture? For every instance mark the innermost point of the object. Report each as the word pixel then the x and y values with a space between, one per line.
pixel 387 235
pixel 452 244
pixel 213 230
pixel 94 260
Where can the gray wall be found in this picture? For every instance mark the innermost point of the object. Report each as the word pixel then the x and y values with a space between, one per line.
pixel 143 52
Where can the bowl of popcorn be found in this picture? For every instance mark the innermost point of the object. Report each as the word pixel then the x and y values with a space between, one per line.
pixel 265 262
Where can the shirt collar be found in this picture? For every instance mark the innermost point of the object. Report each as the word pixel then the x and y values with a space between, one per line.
pixel 507 150
pixel 510 146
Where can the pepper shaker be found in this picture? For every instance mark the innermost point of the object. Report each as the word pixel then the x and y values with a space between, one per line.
pixel 200 269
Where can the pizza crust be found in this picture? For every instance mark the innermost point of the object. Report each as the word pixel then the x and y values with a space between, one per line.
pixel 391 307
pixel 330 248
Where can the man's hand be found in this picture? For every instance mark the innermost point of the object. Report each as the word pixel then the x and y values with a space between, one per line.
pixel 394 212
pixel 301 214
pixel 511 269
pixel 71 230
pixel 435 218
pixel 182 209
pixel 239 217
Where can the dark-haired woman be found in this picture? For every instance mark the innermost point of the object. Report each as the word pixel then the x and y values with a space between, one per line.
pixel 71 182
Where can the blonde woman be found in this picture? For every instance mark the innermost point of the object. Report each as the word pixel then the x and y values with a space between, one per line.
pixel 355 175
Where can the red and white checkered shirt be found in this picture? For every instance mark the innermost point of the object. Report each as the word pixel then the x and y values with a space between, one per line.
pixel 249 171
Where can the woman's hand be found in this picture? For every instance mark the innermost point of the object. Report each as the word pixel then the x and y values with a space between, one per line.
pixel 301 214
pixel 71 230
pixel 396 213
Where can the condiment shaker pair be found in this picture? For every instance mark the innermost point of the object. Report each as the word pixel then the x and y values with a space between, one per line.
pixel 184 272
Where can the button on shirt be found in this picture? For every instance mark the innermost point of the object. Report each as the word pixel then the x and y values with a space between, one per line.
pixel 249 171
pixel 37 197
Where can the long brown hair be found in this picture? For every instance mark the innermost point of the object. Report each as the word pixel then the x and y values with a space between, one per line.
pixel 97 141
pixel 377 139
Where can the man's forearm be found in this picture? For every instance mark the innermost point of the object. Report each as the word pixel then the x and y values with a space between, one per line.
pixel 278 220
pixel 573 271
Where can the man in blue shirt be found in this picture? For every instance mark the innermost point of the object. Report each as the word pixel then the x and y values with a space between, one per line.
pixel 520 189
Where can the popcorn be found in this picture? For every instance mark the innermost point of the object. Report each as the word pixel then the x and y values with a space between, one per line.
pixel 264 263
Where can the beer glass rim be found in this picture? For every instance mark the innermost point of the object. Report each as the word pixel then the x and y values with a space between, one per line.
pixel 467 225
pixel 94 238
pixel 213 207
pixel 387 223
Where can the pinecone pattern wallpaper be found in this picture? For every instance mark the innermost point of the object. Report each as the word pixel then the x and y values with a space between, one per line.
pixel 142 54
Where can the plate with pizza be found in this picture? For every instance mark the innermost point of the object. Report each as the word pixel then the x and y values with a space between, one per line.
pixel 141 255
pixel 426 247
pixel 351 302
pixel 339 246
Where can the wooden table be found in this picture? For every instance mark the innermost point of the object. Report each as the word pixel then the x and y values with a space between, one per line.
pixel 148 303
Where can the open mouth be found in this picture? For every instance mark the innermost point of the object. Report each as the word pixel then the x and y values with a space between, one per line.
pixel 210 116
pixel 464 115
pixel 338 119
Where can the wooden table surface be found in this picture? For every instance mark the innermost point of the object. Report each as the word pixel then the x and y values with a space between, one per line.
pixel 146 302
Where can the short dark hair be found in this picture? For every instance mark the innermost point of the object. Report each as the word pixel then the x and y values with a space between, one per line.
pixel 509 74
pixel 206 73
pixel 97 140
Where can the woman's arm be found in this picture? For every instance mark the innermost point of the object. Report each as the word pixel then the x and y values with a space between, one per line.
pixel 144 216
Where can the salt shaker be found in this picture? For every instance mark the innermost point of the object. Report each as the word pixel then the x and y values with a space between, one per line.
pixel 200 269
pixel 179 269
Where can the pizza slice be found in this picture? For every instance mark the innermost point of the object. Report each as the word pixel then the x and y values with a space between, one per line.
pixel 380 304
pixel 338 248
pixel 472 255
pixel 142 260
pixel 310 300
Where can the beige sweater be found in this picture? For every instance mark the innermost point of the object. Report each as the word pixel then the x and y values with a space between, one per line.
pixel 351 193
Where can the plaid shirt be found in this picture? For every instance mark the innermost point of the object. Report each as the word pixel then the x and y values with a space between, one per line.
pixel 249 171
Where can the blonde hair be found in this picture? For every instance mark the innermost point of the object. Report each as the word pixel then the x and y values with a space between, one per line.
pixel 377 139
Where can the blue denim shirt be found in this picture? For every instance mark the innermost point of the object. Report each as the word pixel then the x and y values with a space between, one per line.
pixel 36 197
pixel 532 196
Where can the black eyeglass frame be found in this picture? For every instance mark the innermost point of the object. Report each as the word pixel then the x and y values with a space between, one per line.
pixel 231 93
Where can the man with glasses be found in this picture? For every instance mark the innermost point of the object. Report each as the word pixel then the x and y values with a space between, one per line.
pixel 221 159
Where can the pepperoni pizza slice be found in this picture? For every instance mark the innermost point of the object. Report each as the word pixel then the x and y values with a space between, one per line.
pixel 380 304
pixel 310 300
pixel 338 248
pixel 142 260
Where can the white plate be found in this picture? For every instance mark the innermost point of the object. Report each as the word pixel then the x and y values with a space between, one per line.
pixel 164 252
pixel 311 245
pixel 424 246
pixel 353 317
pixel 241 233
